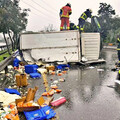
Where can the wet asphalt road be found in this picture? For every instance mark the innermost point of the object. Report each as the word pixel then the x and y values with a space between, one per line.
pixel 91 93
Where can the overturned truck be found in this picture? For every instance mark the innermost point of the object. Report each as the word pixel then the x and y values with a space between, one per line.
pixel 61 46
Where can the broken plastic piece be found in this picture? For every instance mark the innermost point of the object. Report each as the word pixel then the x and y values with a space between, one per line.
pixel 58 90
pixel 62 80
pixel 41 101
pixel 40 114
pixel 64 72
pixel 58 102
pixel 59 74
pixel 54 86
pixel 51 92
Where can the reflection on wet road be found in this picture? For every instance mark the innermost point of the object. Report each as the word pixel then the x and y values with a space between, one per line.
pixel 91 92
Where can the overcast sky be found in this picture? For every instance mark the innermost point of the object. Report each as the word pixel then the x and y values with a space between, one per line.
pixel 45 12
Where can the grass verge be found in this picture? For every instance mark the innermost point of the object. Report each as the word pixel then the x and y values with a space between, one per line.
pixel 3 56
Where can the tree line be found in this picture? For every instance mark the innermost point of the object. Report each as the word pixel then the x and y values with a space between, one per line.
pixel 13 21
pixel 109 21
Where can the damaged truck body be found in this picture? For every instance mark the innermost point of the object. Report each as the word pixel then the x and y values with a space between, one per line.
pixel 61 46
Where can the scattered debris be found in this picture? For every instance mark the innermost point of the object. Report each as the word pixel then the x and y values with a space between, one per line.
pixel 21 79
pixel 18 76
pixel 62 80
pixel 7 98
pixel 91 67
pixel 54 87
pixel 58 102
pixel 35 75
pixel 31 94
pixel 55 82
pixel 58 90
pixel 84 59
pixel 42 113
pixel 42 70
pixel 12 91
pixel 100 70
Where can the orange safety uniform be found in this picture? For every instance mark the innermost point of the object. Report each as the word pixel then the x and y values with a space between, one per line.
pixel 64 15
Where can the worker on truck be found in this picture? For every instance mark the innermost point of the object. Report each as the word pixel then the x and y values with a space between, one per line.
pixel 83 17
pixel 118 49
pixel 64 16
pixel 73 26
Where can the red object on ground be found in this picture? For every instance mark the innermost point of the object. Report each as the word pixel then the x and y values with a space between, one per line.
pixel 58 102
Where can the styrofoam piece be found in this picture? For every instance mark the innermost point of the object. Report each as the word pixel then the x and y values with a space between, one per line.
pixel 10 67
pixel 55 82
pixel 42 70
pixel 100 70
pixel 91 67
pixel 84 59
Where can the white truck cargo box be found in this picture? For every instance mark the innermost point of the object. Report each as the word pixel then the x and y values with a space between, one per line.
pixel 60 46
pixel 90 45
pixel 52 46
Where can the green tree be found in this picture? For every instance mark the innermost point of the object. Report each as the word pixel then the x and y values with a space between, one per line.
pixel 88 27
pixel 12 20
pixel 91 27
pixel 115 24
pixel 3 29
pixel 106 10
pixel 105 14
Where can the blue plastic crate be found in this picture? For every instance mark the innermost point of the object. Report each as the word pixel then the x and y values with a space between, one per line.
pixel 59 67
pixel 63 66
pixel 16 62
pixel 12 91
pixel 40 114
pixel 35 115
pixel 35 75
pixel 51 113
pixel 31 68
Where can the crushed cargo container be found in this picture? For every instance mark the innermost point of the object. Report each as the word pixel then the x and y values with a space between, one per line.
pixel 61 46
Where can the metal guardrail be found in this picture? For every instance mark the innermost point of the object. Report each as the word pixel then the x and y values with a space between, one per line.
pixel 8 61
pixel 3 49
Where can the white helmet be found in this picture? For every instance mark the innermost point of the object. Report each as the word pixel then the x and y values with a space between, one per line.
pixel 90 10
